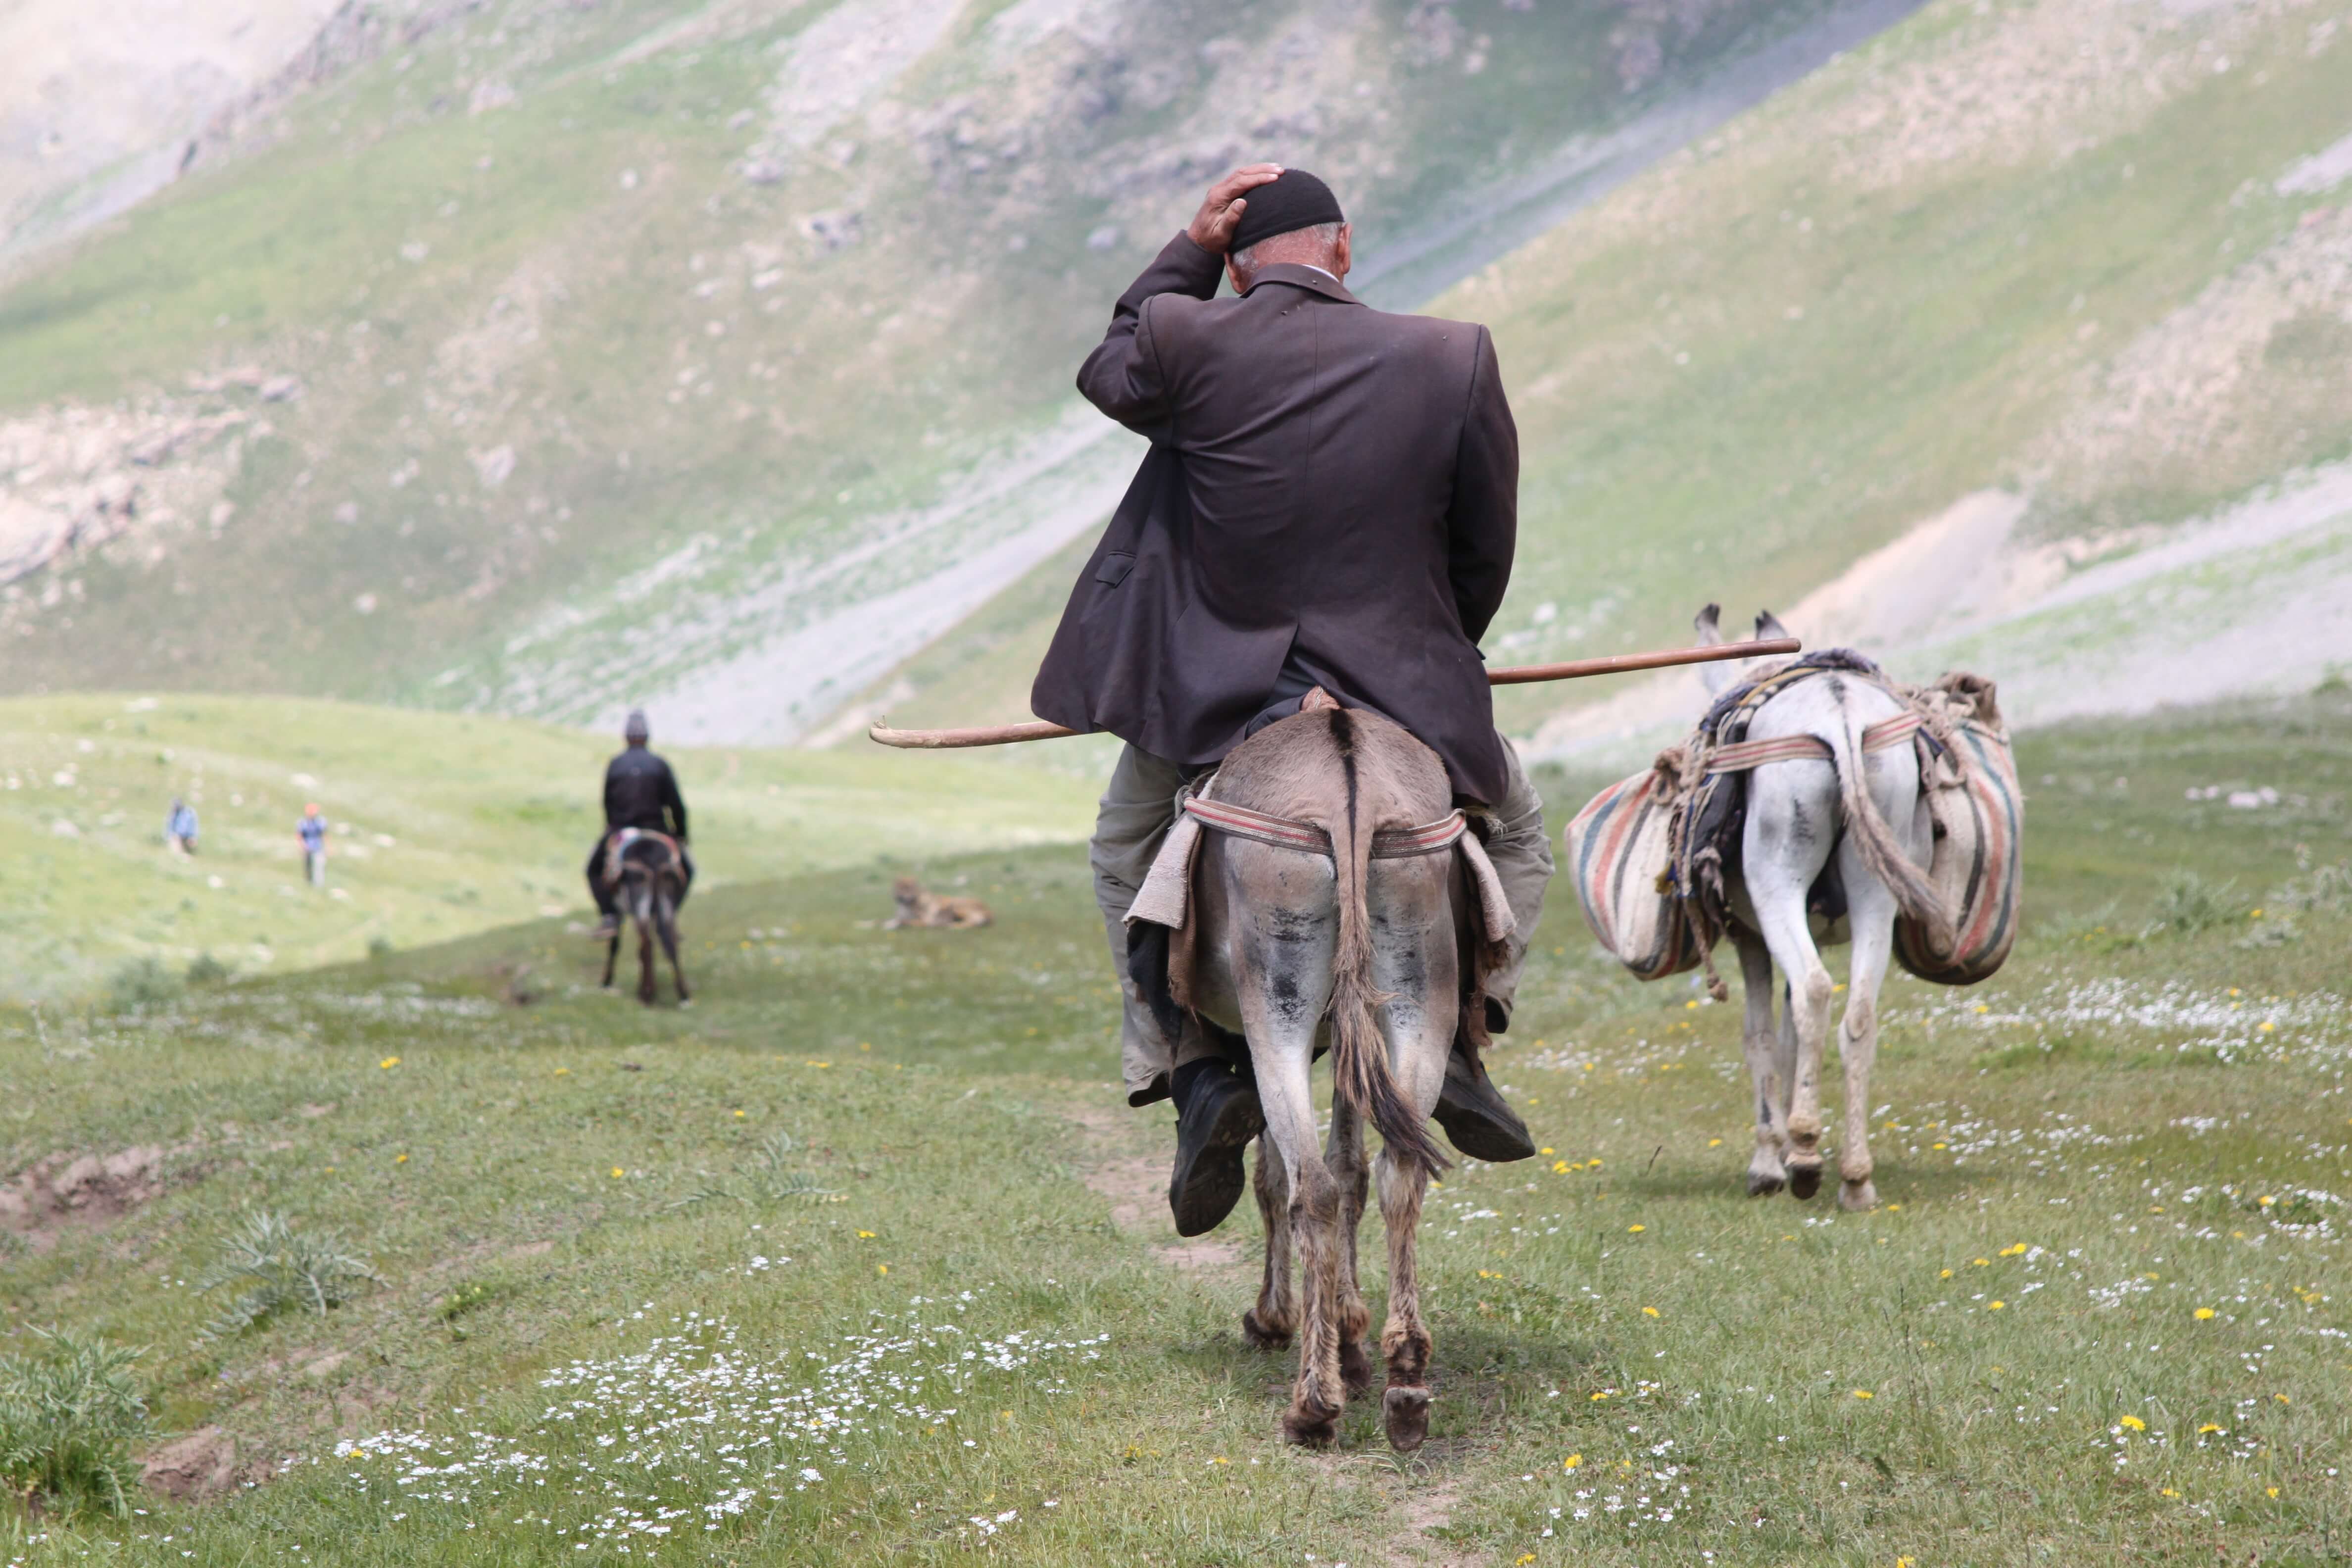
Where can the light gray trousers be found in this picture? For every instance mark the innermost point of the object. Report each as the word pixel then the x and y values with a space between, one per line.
pixel 1139 806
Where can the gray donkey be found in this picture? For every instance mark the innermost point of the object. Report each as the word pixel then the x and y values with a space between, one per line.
pixel 1293 948
pixel 649 871
pixel 1860 814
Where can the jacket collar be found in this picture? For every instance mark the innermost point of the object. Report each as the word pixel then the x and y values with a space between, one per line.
pixel 1308 278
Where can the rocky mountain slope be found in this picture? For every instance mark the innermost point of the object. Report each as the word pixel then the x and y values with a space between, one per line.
pixel 2014 337
pixel 546 356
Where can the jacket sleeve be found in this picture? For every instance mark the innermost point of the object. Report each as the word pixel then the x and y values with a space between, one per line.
pixel 1483 524
pixel 612 795
pixel 1123 376
pixel 673 802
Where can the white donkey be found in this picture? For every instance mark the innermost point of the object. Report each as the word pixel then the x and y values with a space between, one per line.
pixel 1291 947
pixel 1862 812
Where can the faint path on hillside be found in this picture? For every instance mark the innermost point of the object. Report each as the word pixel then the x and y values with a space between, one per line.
pixel 1137 1186
pixel 1499 218
pixel 772 666
pixel 2253 600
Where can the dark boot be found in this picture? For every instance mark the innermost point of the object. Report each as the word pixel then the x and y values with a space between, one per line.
pixel 1218 1114
pixel 1476 1119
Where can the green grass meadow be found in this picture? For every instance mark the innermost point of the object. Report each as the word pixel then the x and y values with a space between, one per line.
pixel 442 825
pixel 864 1255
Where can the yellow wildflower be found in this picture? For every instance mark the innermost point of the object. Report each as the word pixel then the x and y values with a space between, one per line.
pixel 1864 1394
pixel 1996 1305
pixel 2203 1313
pixel 2211 1426
pixel 618 1172
pixel 1636 1229
pixel 1572 1461
pixel 2134 1422
pixel 389 1063
pixel 1649 1312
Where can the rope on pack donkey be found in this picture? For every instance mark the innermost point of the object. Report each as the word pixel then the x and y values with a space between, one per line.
pixel 1696 772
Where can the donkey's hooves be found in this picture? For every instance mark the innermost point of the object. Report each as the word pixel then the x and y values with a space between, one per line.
pixel 1804 1181
pixel 1762 1186
pixel 1355 1367
pixel 1261 1337
pixel 1310 1427
pixel 1857 1197
pixel 1406 1411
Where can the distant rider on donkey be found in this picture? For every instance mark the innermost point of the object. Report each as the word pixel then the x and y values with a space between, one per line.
pixel 1330 500
pixel 640 792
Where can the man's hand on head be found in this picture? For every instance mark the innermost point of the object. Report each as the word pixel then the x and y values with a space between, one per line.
pixel 1213 226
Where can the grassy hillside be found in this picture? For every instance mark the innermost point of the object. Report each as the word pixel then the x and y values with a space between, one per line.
pixel 2071 251
pixel 625 343
pixel 442 825
pixel 2100 1314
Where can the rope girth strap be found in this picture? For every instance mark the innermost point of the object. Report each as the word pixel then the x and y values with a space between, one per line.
pixel 1387 844
pixel 1741 755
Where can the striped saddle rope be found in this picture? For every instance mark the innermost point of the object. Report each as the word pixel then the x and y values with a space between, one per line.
pixel 1741 755
pixel 1387 844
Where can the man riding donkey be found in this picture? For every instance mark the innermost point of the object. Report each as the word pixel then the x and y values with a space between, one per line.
pixel 1327 516
pixel 640 792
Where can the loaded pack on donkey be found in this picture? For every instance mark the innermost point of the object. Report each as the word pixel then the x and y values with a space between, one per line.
pixel 1314 838
pixel 1816 802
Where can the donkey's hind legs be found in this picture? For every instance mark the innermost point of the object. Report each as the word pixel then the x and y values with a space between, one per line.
pixel 665 923
pixel 1765 1173
pixel 1414 961
pixel 1269 1324
pixel 1344 1157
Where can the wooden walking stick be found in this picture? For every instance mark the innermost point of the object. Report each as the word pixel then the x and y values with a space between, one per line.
pixel 1519 675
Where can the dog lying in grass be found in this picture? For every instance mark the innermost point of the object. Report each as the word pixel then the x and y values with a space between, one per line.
pixel 917 908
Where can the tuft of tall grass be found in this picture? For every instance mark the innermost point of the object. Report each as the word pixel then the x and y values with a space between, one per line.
pixel 142 982
pixel 68 1420
pixel 2191 905
pixel 279 1267
pixel 771 1175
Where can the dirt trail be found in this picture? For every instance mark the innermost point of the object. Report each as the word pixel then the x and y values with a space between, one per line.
pixel 1137 1186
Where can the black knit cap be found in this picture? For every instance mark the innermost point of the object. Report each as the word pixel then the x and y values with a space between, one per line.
pixel 1293 199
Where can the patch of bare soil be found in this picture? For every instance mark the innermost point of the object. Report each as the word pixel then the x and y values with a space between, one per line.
pixel 1137 1186
pixel 64 1191
pixel 191 1468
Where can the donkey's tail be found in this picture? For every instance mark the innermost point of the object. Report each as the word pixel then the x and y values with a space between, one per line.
pixel 1915 895
pixel 1359 1056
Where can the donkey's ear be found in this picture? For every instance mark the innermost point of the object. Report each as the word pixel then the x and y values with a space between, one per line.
pixel 1768 625
pixel 1708 624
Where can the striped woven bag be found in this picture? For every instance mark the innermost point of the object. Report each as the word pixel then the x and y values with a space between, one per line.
pixel 1980 820
pixel 1619 857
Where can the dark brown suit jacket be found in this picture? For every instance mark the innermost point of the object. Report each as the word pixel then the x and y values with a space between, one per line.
pixel 1329 485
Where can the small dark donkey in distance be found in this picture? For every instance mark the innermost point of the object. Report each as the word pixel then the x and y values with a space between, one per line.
pixel 649 877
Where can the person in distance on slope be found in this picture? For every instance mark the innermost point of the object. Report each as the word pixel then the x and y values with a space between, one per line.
pixel 180 826
pixel 1331 499
pixel 640 792
pixel 313 831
